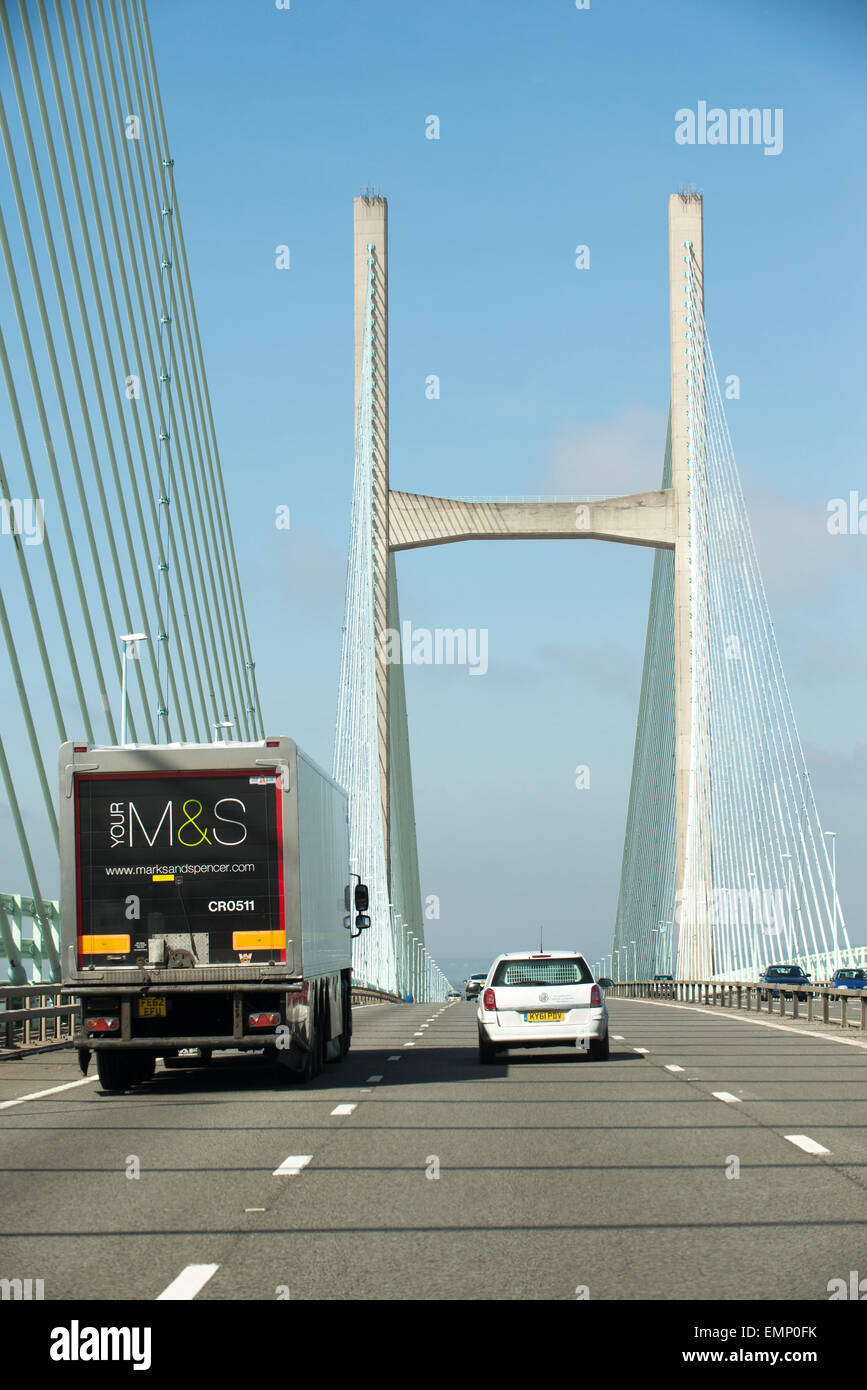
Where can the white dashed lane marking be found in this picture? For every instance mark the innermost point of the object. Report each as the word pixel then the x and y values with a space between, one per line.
pixel 189 1282
pixel 291 1166
pixel 726 1096
pixel 803 1141
pixel 343 1109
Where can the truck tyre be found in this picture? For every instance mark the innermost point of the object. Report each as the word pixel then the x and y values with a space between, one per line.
pixel 345 1039
pixel 599 1049
pixel 145 1066
pixel 322 1032
pixel 116 1070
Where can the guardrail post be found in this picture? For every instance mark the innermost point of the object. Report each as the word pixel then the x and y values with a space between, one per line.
pixel 863 1023
pixel 810 997
pixel 826 1003
pixel 843 1003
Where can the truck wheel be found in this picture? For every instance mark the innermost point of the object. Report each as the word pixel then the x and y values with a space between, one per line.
pixel 345 1038
pixel 322 1031
pixel 116 1070
pixel 146 1065
pixel 599 1049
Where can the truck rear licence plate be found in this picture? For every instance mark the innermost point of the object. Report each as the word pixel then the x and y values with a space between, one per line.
pixel 545 1016
pixel 152 1006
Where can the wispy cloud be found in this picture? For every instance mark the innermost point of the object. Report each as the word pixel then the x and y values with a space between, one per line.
pixel 614 457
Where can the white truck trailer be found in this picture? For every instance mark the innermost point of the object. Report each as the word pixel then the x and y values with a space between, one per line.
pixel 206 903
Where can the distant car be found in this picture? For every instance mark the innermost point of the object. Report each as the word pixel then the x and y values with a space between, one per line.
pixel 663 977
pixel 783 975
pixel 542 999
pixel 849 978
pixel 474 985
pixel 452 995
pixel 664 980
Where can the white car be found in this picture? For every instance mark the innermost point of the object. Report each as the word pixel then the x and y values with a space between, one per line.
pixel 542 999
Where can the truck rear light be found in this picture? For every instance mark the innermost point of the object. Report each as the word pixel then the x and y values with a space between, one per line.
pixel 299 994
pixel 101 1025
pixel 272 743
pixel 489 1000
pixel 595 998
pixel 263 1020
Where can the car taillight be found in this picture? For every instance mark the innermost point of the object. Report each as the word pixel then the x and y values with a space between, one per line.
pixel 595 997
pixel 489 1000
pixel 263 1020
pixel 101 1025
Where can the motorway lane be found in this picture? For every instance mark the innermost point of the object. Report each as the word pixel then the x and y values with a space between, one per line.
pixel 555 1172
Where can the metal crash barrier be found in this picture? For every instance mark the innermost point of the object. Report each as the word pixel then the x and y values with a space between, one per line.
pixel 751 996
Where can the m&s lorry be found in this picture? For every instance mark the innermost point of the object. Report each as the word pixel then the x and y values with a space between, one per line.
pixel 206 904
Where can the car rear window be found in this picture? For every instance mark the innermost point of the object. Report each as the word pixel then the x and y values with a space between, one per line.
pixel 785 972
pixel 850 974
pixel 573 971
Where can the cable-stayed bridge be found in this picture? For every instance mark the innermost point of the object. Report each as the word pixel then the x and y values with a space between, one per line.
pixel 116 517
pixel 725 865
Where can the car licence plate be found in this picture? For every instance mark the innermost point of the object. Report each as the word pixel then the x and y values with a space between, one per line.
pixel 544 1016
pixel 152 1006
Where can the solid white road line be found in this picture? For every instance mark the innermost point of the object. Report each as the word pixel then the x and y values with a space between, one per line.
pixel 343 1109
pixel 672 1066
pixel 189 1282
pixel 291 1166
pixel 726 1096
pixel 803 1141
pixel 733 1017
pixel 52 1091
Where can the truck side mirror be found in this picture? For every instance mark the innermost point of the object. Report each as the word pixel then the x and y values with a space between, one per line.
pixel 362 898
pixel 362 922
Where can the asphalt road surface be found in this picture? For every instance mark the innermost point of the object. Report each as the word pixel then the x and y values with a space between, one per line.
pixel 555 1173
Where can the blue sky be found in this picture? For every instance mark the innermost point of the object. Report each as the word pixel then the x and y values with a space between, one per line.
pixel 557 129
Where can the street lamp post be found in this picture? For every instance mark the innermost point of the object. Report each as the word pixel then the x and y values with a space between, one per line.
pixel 130 653
pixel 832 834
pixel 790 886
pixel 753 889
